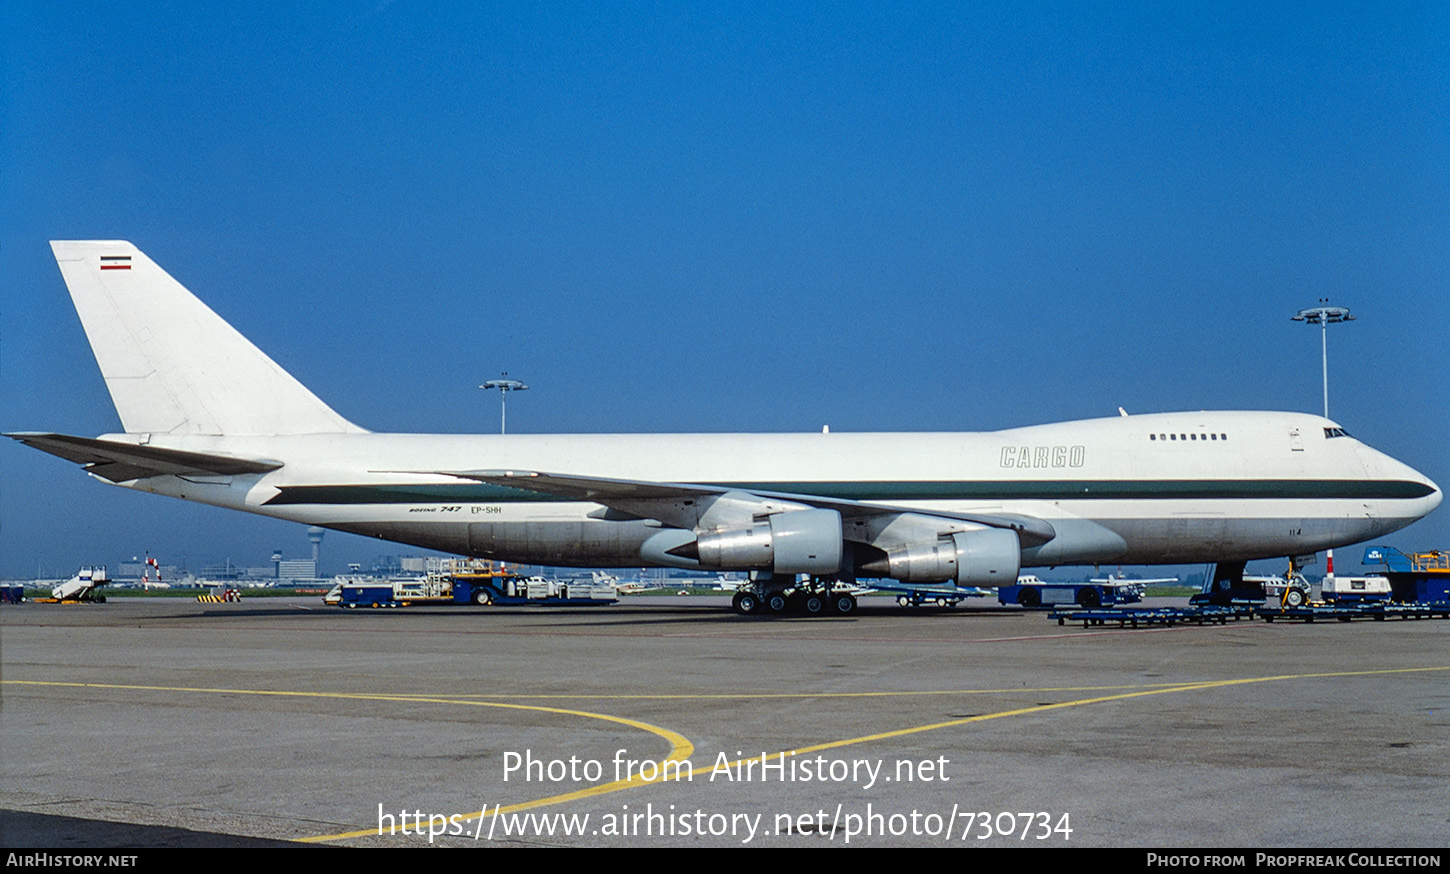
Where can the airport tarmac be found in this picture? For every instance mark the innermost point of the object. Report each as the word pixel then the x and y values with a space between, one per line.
pixel 165 722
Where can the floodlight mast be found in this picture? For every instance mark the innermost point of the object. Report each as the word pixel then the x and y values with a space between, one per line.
pixel 504 386
pixel 1324 315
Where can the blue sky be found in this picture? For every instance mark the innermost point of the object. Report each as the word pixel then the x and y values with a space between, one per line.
pixel 677 217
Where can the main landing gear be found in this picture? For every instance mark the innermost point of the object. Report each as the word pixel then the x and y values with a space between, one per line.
pixel 773 597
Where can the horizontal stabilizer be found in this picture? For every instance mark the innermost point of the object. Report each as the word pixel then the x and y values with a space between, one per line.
pixel 120 462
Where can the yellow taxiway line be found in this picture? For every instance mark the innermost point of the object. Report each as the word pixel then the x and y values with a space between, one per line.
pixel 681 748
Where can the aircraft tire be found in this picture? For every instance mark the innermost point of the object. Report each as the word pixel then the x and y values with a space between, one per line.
pixel 777 603
pixel 813 605
pixel 845 604
pixel 1088 597
pixel 746 603
pixel 1029 597
pixel 1294 598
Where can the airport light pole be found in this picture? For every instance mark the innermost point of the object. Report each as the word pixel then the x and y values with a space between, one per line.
pixel 1324 315
pixel 504 386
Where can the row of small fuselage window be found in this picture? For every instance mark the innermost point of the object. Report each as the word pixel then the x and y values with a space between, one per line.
pixel 1329 433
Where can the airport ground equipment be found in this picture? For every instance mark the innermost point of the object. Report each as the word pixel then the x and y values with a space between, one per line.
pixel 471 581
pixel 1033 593
pixel 478 581
pixel 1417 578
pixel 1215 615
pixel 925 596
pixel 12 594
pixel 1289 591
pixel 80 588
pixel 1347 612
pixel 1135 617
pixel 369 595
pixel 535 591
pixel 1336 589
pixel 1228 586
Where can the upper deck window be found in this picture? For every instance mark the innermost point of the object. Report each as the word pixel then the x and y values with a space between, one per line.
pixel 1335 432
pixel 1218 436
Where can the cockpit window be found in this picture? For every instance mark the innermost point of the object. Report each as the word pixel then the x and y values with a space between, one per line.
pixel 1335 432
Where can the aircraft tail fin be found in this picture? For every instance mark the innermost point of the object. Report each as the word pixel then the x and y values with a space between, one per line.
pixel 171 364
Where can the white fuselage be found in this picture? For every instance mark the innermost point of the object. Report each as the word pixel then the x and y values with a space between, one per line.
pixel 1161 488
pixel 210 417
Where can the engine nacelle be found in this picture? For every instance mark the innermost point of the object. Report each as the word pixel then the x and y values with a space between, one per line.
pixel 989 557
pixel 797 542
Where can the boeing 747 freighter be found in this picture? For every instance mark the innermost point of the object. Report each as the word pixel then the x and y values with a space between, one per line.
pixel 208 417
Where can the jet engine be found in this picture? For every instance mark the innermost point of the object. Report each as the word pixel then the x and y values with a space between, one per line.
pixel 796 542
pixel 988 557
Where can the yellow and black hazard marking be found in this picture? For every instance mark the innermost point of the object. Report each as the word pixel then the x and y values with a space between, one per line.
pixel 219 599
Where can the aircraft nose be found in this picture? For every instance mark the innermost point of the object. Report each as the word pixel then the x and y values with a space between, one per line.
pixel 1430 494
pixel 1433 499
pixel 1419 490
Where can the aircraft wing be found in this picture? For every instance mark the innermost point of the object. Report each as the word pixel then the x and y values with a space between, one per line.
pixel 121 462
pixel 583 488
pixel 654 499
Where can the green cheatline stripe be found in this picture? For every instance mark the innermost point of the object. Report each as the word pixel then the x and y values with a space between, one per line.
pixel 1034 490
